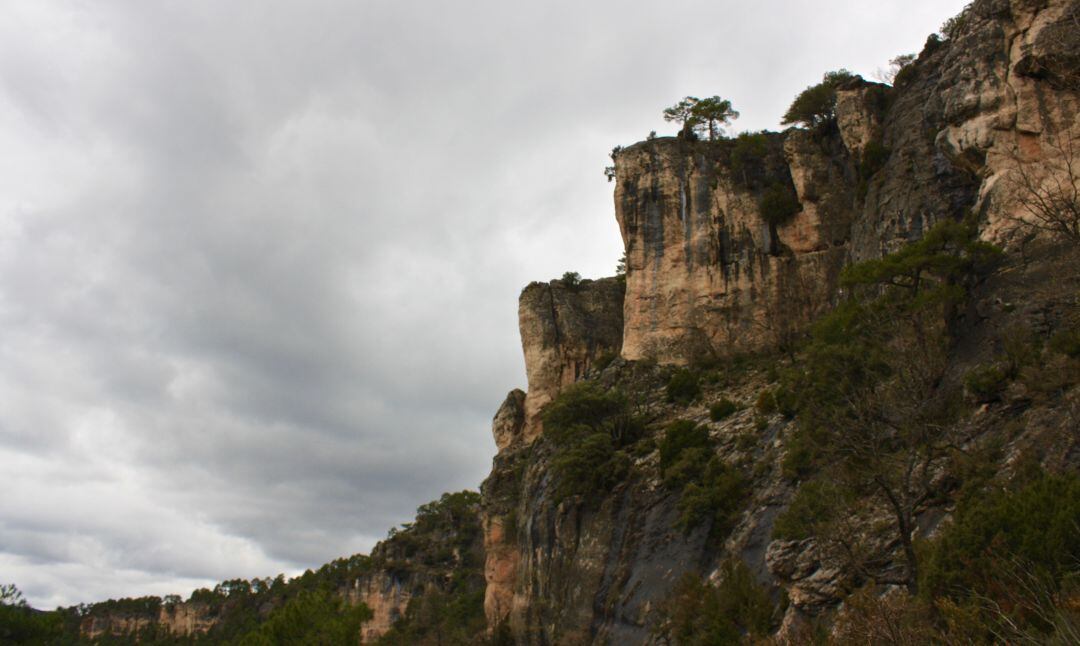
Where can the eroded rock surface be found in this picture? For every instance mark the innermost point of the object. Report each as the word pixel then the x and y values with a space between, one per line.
pixel 565 328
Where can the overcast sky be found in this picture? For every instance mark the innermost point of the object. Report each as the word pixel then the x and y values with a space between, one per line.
pixel 259 261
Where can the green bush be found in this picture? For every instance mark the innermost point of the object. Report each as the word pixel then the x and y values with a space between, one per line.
pixel 776 400
pixel 588 407
pixel 588 466
pixel 687 467
pixel 680 436
pixel 453 617
pixel 778 204
pixel 803 452
pixel 711 491
pixel 722 410
pixel 986 382
pixel 814 503
pixel 749 152
pixel 20 624
pixel 1067 342
pixel 571 280
pixel 683 387
pixel 952 27
pixel 604 359
pixel 589 428
pixel 816 105
pixel 714 498
pixel 1036 526
pixel 311 617
pixel 697 613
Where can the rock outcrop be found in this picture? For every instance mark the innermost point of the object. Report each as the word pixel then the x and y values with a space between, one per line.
pixel 565 328
pixel 707 275
pixel 509 422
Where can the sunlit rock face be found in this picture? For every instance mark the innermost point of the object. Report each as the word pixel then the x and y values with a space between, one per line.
pixel 707 275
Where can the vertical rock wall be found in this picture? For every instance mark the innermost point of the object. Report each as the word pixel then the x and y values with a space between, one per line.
pixel 565 328
pixel 706 274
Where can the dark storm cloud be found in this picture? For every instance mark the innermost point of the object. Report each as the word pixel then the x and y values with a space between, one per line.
pixel 259 261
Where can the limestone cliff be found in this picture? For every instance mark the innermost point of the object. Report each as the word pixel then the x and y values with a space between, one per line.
pixel 707 275
pixel 980 125
pixel 565 327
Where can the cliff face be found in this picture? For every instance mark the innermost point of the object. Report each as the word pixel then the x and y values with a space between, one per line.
pixel 565 328
pixel 711 274
pixel 707 275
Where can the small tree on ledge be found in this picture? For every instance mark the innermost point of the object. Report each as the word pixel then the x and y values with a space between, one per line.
pixel 702 115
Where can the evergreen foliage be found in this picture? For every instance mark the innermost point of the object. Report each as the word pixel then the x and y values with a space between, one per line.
pixel 815 106
pixel 778 204
pixel 697 613
pixel 710 490
pixel 702 116
pixel 722 410
pixel 871 401
pixel 683 387
pixel 589 429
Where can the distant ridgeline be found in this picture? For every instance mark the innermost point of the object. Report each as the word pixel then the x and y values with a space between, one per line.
pixel 830 397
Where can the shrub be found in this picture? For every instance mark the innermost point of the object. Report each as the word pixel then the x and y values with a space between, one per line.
pixel 571 280
pixel 1067 342
pixel 873 158
pixel 713 498
pixel 588 466
pixel 778 204
pixel 20 624
pixel 952 27
pixel 586 407
pixel 680 436
pixel 683 387
pixel 813 504
pixel 604 359
pixel 776 400
pixel 815 106
pixel 317 616
pixel 986 382
pixel 589 427
pixel 698 613
pixel 1035 525
pixel 748 154
pixel 687 467
pixel 722 410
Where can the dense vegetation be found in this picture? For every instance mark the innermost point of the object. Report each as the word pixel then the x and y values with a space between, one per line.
pixel 440 551
pixel 698 613
pixel 590 429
